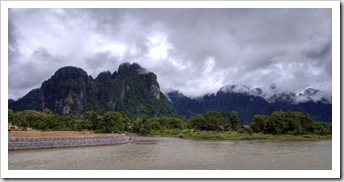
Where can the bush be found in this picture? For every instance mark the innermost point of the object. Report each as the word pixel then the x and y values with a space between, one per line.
pixel 113 122
pixel 249 131
pixel 241 131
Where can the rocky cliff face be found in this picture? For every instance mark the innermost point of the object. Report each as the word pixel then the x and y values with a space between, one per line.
pixel 132 90
pixel 64 92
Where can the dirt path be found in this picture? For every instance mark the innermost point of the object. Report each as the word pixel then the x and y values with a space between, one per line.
pixel 30 134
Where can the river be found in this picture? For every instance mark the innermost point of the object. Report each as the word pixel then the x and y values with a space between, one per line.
pixel 154 153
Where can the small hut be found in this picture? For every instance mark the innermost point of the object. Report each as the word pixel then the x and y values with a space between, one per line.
pixel 221 128
pixel 245 127
pixel 12 128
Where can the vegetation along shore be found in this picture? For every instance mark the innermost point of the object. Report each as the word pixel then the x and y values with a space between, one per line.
pixel 214 125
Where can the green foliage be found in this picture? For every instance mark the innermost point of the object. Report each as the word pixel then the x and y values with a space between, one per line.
pixel 53 122
pixel 249 131
pixel 148 126
pixel 153 125
pixel 307 122
pixel 226 115
pixel 168 122
pixel 212 120
pixel 197 122
pixel 198 126
pixel 281 122
pixel 31 101
pixel 259 123
pixel 241 131
pixel 112 122
pixel 139 125
pixel 276 123
pixel 90 120
pixel 293 126
pixel 47 111
pixel 28 118
pixel 322 128
pixel 234 119
pixel 11 116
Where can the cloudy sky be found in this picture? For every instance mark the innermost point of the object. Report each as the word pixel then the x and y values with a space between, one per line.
pixel 195 51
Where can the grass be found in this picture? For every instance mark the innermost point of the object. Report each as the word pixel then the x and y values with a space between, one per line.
pixel 185 133
pixel 218 135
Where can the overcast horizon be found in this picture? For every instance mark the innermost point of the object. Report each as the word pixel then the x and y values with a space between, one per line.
pixel 194 51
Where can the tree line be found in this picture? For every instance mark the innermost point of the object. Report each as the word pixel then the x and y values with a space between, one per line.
pixel 279 122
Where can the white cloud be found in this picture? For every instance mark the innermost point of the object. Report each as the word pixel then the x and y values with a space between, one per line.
pixel 158 47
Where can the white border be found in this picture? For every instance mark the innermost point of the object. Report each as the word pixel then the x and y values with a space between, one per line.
pixel 334 173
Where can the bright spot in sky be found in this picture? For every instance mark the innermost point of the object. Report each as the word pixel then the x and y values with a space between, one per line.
pixel 209 64
pixel 102 45
pixel 117 49
pixel 158 47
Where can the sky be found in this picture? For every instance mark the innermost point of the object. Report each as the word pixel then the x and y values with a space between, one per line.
pixel 194 51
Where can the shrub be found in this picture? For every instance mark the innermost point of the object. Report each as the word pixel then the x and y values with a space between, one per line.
pixel 249 131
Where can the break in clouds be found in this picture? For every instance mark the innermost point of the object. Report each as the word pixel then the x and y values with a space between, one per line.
pixel 195 51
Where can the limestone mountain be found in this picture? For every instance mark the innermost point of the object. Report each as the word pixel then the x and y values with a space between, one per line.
pixel 132 90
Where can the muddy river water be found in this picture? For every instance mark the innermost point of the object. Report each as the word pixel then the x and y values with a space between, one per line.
pixel 155 153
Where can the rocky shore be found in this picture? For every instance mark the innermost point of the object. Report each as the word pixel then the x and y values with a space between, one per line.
pixel 65 141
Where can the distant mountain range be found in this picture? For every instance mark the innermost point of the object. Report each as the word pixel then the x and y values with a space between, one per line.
pixel 248 102
pixel 134 90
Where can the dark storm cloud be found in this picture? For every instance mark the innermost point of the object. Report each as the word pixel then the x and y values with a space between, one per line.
pixel 43 55
pixel 196 51
pixel 29 75
pixel 101 60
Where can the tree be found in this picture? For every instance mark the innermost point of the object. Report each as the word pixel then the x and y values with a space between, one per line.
pixel 213 119
pixel 249 131
pixel 139 125
pixel 197 122
pixel 11 116
pixel 29 117
pixel 90 119
pixel 226 115
pixel 153 124
pixel 234 120
pixel 321 128
pixel 281 122
pixel 307 123
pixel 47 111
pixel 277 123
pixel 170 122
pixel 293 126
pixel 113 122
pixel 53 122
pixel 259 123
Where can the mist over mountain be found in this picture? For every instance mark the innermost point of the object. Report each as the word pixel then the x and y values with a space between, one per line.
pixel 248 102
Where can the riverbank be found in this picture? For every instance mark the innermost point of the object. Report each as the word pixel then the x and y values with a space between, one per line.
pixel 23 140
pixel 35 133
pixel 220 135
